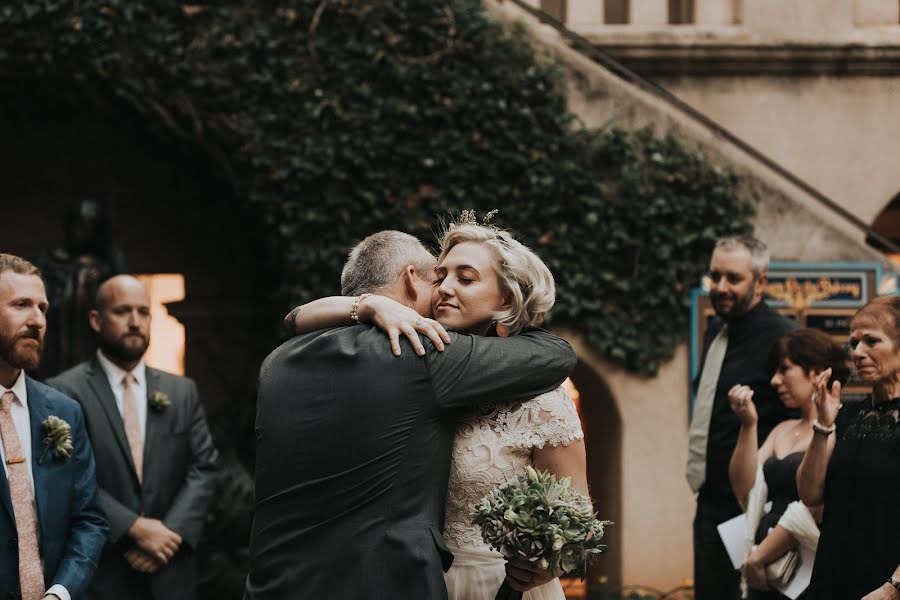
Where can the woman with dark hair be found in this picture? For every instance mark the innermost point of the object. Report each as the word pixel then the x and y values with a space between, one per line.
pixel 769 472
pixel 853 466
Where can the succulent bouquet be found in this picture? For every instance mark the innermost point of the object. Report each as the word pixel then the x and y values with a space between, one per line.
pixel 540 518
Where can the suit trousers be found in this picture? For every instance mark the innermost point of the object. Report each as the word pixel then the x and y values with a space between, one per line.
pixel 715 578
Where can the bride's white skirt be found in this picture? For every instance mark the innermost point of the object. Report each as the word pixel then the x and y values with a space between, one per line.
pixel 477 573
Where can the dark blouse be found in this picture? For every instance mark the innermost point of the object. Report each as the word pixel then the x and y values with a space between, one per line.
pixel 859 547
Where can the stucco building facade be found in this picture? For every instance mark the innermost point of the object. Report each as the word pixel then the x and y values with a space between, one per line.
pixel 814 86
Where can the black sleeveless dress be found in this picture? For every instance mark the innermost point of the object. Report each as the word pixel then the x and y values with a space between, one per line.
pixel 860 543
pixel 781 479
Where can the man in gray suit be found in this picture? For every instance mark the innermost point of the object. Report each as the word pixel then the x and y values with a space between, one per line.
pixel 156 463
pixel 353 443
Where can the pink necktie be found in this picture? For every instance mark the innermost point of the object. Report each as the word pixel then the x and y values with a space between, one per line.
pixel 133 425
pixel 31 577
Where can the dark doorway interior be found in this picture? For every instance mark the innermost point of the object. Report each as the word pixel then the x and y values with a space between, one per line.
pixel 169 212
pixel 603 440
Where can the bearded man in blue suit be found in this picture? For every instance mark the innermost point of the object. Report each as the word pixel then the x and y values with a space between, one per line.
pixel 51 526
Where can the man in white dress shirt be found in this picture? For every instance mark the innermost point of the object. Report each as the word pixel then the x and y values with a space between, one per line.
pixel 156 463
pixel 51 526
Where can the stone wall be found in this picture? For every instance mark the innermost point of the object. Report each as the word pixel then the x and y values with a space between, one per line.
pixel 656 505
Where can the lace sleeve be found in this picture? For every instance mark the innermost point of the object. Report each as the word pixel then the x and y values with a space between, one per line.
pixel 550 418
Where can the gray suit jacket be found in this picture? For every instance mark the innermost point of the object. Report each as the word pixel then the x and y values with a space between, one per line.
pixel 353 456
pixel 180 465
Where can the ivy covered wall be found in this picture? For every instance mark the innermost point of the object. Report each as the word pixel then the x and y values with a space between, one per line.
pixel 337 118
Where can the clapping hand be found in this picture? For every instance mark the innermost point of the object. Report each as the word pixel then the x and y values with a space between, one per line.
pixel 395 319
pixel 741 399
pixel 828 403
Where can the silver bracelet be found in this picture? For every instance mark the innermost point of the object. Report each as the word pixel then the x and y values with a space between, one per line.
pixel 821 429
pixel 354 310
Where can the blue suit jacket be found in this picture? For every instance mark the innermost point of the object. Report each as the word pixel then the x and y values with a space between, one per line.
pixel 72 528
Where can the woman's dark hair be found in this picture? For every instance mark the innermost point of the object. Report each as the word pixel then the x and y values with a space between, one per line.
pixel 811 349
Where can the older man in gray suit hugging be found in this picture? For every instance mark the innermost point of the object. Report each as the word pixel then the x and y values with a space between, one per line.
pixel 156 463
pixel 353 442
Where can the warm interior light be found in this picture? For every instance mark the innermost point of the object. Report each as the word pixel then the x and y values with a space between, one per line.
pixel 166 351
pixel 570 388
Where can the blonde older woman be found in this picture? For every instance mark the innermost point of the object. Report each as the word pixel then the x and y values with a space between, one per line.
pixel 486 283
pixel 852 465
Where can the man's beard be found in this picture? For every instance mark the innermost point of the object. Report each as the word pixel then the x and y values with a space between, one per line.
pixel 28 359
pixel 119 350
pixel 739 307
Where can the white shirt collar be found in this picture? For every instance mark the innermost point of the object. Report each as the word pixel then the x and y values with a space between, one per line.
pixel 116 374
pixel 19 389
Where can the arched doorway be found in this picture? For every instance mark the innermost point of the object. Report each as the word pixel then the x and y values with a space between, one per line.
pixel 169 210
pixel 602 426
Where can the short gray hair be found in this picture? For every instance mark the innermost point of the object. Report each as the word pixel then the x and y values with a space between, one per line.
pixel 375 263
pixel 759 252
pixel 524 278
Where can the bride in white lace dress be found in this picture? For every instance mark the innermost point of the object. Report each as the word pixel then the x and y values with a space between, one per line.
pixel 486 283
pixel 484 277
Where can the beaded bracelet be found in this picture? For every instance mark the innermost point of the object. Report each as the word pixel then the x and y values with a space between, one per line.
pixel 821 429
pixel 354 310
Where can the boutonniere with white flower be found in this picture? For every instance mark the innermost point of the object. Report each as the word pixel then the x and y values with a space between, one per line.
pixel 159 401
pixel 57 437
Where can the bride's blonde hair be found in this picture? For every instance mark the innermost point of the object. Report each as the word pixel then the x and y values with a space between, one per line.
pixel 525 281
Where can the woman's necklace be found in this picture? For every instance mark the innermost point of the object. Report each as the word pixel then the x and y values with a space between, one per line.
pixel 799 428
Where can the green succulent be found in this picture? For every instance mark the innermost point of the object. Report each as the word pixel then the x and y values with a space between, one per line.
pixel 539 517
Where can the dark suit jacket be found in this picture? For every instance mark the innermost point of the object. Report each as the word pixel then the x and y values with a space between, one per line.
pixel 71 524
pixel 353 456
pixel 180 465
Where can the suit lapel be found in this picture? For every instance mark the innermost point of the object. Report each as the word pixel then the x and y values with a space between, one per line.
pixel 99 384
pixel 157 422
pixel 39 408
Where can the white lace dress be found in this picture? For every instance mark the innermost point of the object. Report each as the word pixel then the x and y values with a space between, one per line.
pixel 489 450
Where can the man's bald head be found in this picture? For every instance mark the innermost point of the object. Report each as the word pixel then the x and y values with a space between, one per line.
pixel 116 286
pixel 121 317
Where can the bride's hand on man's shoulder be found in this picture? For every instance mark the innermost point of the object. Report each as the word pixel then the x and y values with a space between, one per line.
pixel 396 319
